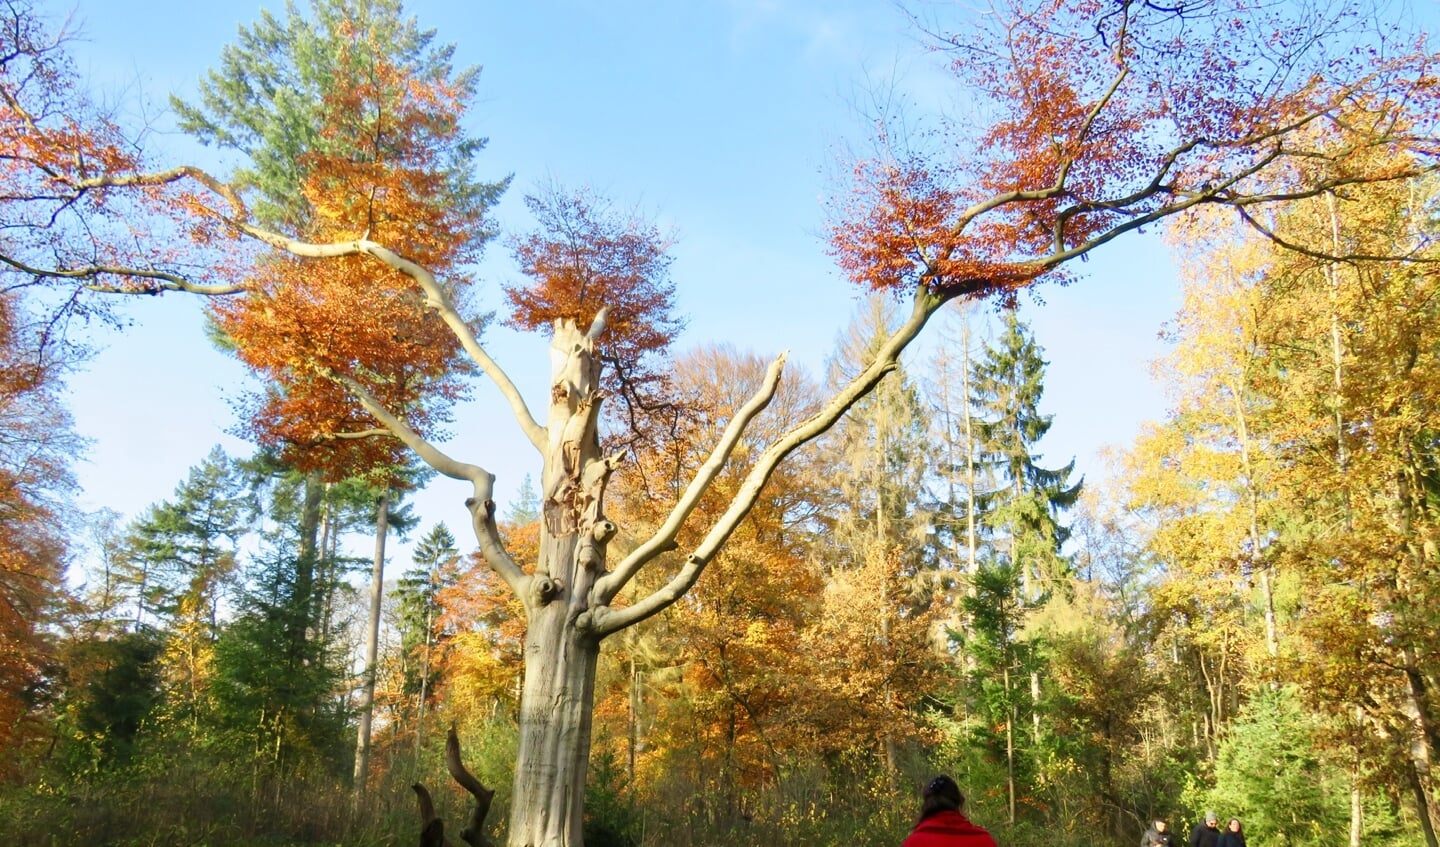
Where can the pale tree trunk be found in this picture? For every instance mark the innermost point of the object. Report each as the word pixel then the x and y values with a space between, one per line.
pixel 327 561
pixel 547 806
pixel 972 480
pixel 1422 804
pixel 560 658
pixel 1357 808
pixel 372 644
pixel 1258 558
pixel 633 729
pixel 307 561
pixel 1337 365
pixel 1009 752
pixel 568 597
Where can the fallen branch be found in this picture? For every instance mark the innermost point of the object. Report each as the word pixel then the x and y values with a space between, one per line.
pixel 432 832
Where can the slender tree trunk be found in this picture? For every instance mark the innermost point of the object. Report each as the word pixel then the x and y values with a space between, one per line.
pixel 306 561
pixel 1422 804
pixel 1337 359
pixel 972 532
pixel 424 672
pixel 1259 560
pixel 1357 808
pixel 633 730
pixel 1423 733
pixel 1035 709
pixel 325 561
pixel 372 644
pixel 1009 749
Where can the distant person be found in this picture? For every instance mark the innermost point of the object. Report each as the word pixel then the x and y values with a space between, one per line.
pixel 1207 832
pixel 941 823
pixel 1233 836
pixel 1156 836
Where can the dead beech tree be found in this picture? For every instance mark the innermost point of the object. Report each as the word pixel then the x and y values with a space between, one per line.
pixel 1107 117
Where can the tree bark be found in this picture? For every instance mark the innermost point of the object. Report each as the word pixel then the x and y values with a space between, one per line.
pixel 561 652
pixel 547 805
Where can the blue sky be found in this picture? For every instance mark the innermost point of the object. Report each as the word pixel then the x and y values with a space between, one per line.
pixel 725 119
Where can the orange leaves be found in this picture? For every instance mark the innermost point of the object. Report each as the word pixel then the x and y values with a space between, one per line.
pixel 1100 118
pixel 305 322
pixel 315 328
pixel 900 230
pixel 57 150
pixel 584 257
pixel 381 168
pixel 34 448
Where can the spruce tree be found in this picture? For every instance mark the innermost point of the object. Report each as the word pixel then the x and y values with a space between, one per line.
pixel 1022 563
pixel 1022 509
pixel 436 560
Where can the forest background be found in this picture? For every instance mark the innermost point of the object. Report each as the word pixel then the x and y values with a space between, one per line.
pixel 1180 642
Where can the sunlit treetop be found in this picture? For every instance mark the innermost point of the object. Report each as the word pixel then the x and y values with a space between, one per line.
pixel 584 255
pixel 381 172
pixel 1089 119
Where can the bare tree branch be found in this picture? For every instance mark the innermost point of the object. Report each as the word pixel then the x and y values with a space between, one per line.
pixel 605 620
pixel 664 538
pixel 436 299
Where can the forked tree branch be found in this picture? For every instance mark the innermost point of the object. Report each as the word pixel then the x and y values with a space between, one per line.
pixel 605 620
pixel 481 503
pixel 664 538
pixel 432 827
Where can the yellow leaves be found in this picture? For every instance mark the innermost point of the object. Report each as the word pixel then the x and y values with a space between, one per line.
pixel 476 675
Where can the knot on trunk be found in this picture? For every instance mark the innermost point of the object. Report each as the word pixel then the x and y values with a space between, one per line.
pixel 548 589
pixel 485 510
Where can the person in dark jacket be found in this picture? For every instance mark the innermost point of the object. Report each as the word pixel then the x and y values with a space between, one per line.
pixel 1206 833
pixel 1233 836
pixel 1156 836
pixel 941 823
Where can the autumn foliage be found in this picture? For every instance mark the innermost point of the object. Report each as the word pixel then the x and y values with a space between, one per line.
pixel 310 326
pixel 585 256
pixel 34 447
pixel 1112 116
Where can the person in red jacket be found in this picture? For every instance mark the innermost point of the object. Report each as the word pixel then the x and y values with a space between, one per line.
pixel 941 824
